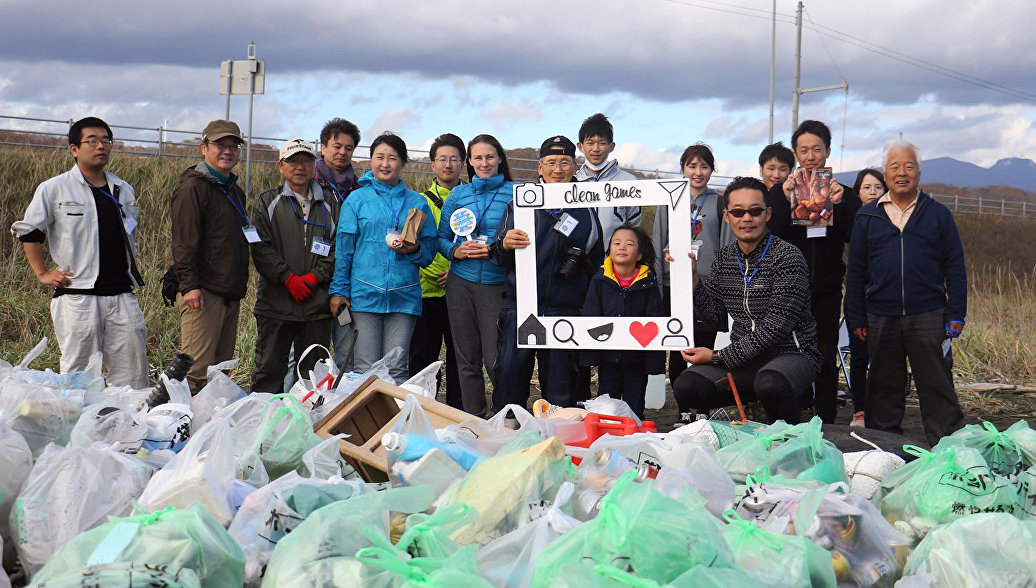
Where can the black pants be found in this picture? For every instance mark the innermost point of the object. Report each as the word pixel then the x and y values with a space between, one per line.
pixel 858 361
pixel 274 339
pixel 625 381
pixel 558 368
pixel 827 309
pixel 776 382
pixel 430 333
pixel 891 340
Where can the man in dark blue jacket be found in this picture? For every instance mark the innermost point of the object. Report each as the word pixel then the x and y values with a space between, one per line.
pixel 906 296
pixel 565 262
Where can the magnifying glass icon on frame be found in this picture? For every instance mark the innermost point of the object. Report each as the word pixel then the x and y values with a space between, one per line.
pixel 564 332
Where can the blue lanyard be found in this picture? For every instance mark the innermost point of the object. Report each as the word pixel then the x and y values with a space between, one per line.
pixel 104 190
pixel 744 272
pixel 240 209
pixel 481 213
pixel 338 194
pixel 402 205
pixel 323 214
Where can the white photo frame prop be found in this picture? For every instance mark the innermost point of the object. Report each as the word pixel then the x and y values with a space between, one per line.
pixel 595 332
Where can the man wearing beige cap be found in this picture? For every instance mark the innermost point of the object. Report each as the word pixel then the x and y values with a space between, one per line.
pixel 211 232
pixel 294 256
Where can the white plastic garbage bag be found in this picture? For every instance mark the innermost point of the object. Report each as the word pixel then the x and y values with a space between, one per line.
pixel 219 392
pixel 15 465
pixel 508 560
pixel 70 491
pixel 604 404
pixel 40 414
pixel 985 549
pixel 120 427
pixel 202 472
pixel 424 382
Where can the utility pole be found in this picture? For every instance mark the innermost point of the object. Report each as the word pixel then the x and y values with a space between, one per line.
pixel 797 91
pixel 252 69
pixel 798 68
pixel 244 76
pixel 773 64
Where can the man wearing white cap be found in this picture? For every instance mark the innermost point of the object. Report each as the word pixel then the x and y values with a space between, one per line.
pixel 294 256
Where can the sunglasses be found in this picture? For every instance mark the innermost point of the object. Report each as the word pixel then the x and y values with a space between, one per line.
pixel 740 212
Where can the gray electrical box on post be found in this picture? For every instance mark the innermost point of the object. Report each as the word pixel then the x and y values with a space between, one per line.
pixel 243 76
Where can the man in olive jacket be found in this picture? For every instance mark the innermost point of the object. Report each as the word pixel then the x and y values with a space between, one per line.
pixel 295 260
pixel 211 232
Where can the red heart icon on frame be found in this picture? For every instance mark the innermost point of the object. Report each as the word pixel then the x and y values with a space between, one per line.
pixel 644 334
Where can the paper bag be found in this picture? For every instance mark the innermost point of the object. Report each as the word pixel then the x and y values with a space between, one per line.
pixel 412 229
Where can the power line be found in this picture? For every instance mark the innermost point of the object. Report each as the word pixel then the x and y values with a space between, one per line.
pixel 735 9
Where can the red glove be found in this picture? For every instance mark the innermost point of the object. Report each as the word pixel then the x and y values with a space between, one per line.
pixel 298 288
pixel 310 279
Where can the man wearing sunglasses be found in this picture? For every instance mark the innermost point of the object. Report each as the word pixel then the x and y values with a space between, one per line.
pixel 822 248
pixel 211 232
pixel 89 218
pixel 762 281
pixel 296 222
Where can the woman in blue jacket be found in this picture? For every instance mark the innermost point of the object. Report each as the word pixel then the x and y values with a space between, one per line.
pixel 475 286
pixel 376 275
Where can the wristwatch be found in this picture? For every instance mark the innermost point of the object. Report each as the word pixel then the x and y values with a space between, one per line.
pixel 716 360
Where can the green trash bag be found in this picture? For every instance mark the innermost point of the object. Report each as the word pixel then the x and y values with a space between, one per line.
pixel 641 531
pixel 941 486
pixel 388 566
pixel 798 451
pixel 429 535
pixel 323 547
pixel 580 575
pixel 777 560
pixel 987 549
pixel 1007 453
pixel 168 540
pixel 123 575
pixel 284 435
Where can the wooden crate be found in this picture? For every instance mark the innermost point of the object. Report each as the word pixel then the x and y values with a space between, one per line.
pixel 368 414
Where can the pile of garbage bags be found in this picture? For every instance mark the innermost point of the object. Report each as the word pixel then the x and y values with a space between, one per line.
pixel 234 489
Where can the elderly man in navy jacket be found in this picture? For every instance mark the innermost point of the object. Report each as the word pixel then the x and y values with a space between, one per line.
pixel 906 296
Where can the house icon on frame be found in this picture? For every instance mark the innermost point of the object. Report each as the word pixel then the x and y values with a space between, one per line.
pixel 532 331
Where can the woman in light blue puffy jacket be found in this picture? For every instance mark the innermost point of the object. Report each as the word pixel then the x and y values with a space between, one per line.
pixel 376 274
pixel 475 286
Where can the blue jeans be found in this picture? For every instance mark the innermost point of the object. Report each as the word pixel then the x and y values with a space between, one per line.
pixel 377 334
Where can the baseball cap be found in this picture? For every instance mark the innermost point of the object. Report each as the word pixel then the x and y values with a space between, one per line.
pixel 558 145
pixel 218 129
pixel 296 145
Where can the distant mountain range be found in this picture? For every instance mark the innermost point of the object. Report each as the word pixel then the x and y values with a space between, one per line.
pixel 1011 171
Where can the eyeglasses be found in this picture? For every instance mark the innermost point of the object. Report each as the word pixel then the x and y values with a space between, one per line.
pixel 740 212
pixel 563 164
pixel 94 141
pixel 445 160
pixel 225 146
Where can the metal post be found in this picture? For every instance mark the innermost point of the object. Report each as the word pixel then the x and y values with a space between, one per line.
pixel 230 83
pixel 1023 209
pixel 798 70
pixel 956 205
pixel 773 63
pixel 251 98
pixel 160 143
pixel 1001 207
pixel 980 203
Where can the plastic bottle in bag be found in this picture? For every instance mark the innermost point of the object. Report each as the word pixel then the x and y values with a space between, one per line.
pixel 595 477
pixel 407 447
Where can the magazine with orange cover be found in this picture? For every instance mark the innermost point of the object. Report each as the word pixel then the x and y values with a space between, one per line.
pixel 811 204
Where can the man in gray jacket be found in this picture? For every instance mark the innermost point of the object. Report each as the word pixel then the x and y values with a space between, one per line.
pixel 296 223
pixel 89 218
pixel 596 143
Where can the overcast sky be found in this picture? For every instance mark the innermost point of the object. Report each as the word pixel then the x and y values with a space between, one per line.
pixel 668 73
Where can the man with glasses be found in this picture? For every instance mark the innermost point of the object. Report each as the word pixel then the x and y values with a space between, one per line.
pixel 432 329
pixel 763 283
pixel 569 249
pixel 89 217
pixel 211 231
pixel 296 222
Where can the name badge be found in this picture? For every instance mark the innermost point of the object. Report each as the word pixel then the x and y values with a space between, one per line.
pixel 814 232
pixel 251 234
pixel 320 247
pixel 566 224
pixel 130 223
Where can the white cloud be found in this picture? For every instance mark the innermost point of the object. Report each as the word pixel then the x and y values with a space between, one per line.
pixel 396 120
pixel 508 112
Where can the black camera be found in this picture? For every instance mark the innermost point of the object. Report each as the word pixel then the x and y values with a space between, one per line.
pixel 177 370
pixel 574 263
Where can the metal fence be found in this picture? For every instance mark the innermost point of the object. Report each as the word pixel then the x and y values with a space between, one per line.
pixel 162 141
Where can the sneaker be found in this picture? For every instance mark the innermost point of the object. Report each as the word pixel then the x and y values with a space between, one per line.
pixel 857 420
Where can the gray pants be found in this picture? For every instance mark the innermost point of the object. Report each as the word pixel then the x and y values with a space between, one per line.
pixel 474 310
pixel 890 341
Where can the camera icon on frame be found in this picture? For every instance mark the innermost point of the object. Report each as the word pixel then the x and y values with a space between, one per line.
pixel 529 195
